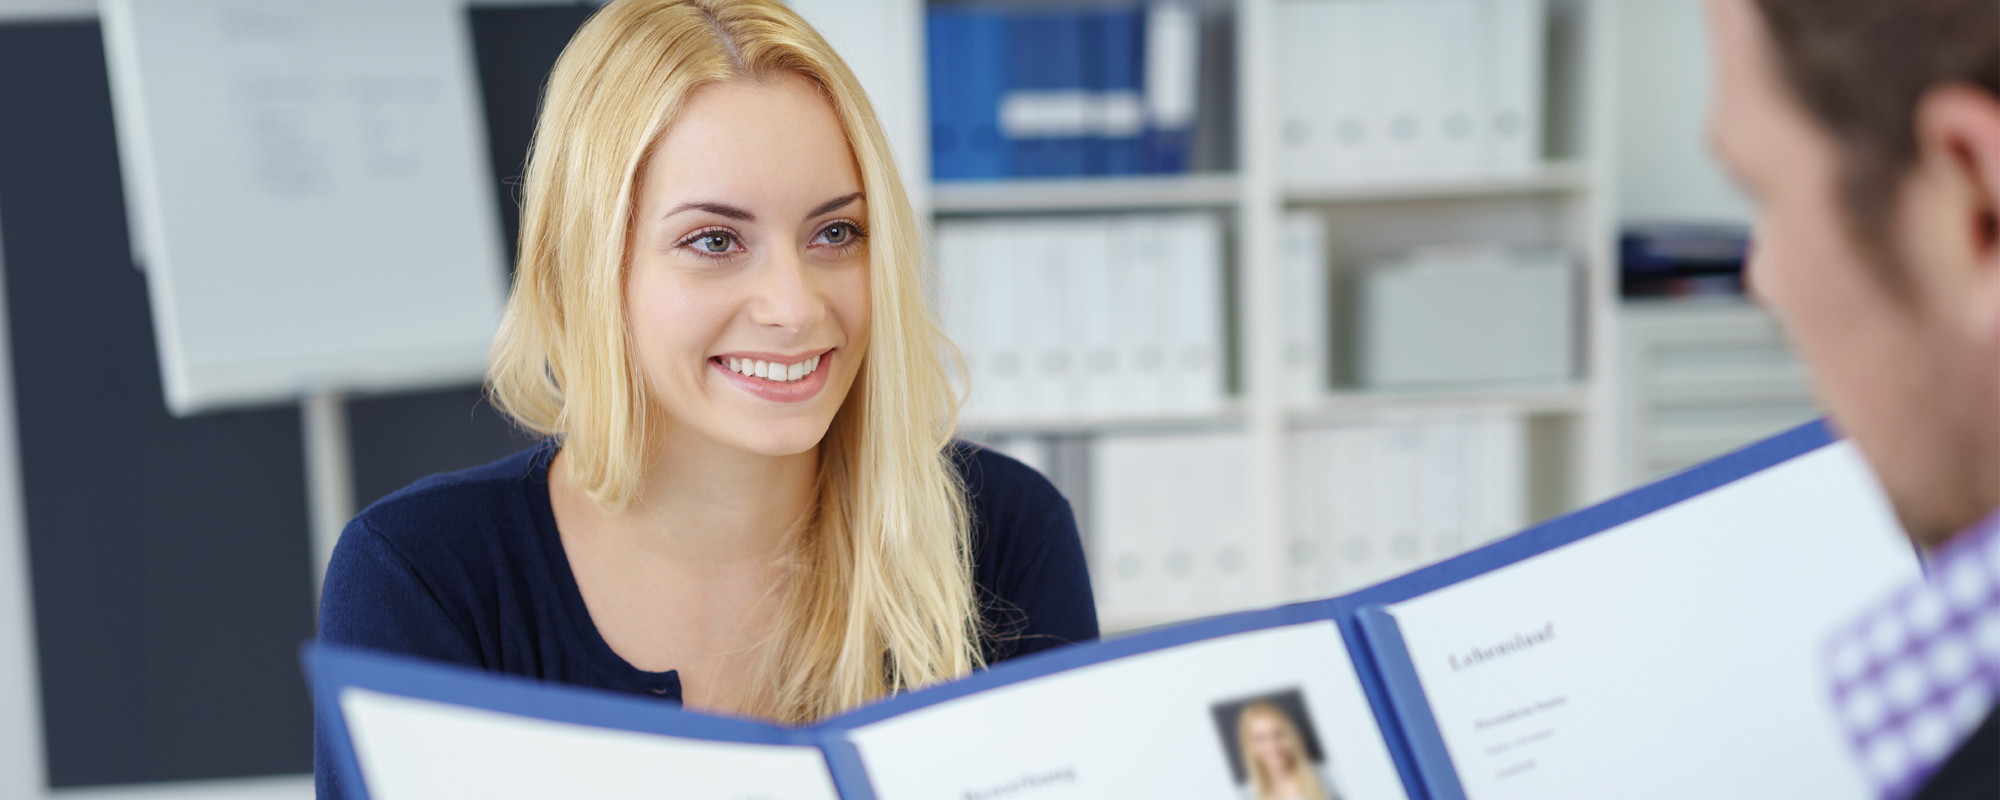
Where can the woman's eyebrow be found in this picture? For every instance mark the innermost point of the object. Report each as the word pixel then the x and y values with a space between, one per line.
pixel 833 205
pixel 717 209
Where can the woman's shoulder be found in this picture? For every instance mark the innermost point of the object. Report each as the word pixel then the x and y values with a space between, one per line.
pixel 416 571
pixel 454 509
pixel 1028 560
pixel 995 481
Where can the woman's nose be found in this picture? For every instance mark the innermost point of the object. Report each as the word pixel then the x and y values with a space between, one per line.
pixel 788 297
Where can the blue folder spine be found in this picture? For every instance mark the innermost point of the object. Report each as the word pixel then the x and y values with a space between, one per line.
pixel 1046 51
pixel 988 52
pixel 1090 67
pixel 1429 759
pixel 967 52
pixel 948 42
pixel 1120 57
pixel 843 759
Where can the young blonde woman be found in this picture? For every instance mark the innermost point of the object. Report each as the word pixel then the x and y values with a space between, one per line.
pixel 749 501
pixel 1275 757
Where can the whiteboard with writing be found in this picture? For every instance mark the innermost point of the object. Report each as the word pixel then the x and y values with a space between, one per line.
pixel 307 189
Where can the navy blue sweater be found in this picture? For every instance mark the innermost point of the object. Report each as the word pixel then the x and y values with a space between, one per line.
pixel 467 568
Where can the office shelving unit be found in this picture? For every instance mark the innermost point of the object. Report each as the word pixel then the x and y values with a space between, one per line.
pixel 1565 201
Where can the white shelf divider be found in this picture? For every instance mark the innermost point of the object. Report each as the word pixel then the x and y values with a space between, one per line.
pixel 1230 417
pixel 1138 192
pixel 1551 178
pixel 1571 398
pixel 1261 305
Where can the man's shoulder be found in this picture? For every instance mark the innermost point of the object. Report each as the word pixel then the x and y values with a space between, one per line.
pixel 1973 772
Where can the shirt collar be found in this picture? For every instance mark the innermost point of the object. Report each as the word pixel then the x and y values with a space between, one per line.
pixel 1916 673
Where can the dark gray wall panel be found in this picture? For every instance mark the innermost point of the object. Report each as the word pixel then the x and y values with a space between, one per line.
pixel 516 48
pixel 398 439
pixel 169 556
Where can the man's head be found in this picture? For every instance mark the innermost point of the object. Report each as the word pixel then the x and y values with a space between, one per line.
pixel 1867 132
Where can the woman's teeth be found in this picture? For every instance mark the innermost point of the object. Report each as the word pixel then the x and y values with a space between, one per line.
pixel 771 370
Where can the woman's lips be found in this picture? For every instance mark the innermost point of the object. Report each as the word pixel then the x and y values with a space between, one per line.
pixel 805 388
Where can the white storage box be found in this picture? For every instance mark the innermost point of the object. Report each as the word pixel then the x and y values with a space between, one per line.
pixel 1468 315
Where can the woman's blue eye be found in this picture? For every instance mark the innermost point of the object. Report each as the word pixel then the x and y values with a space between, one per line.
pixel 714 242
pixel 841 234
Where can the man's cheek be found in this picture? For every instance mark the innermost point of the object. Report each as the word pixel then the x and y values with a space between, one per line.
pixel 1761 268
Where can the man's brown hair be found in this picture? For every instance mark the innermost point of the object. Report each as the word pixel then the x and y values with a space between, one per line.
pixel 1860 67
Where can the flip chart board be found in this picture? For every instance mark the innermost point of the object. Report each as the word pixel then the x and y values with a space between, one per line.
pixel 308 195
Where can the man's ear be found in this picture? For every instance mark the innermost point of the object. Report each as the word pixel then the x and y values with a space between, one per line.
pixel 1958 132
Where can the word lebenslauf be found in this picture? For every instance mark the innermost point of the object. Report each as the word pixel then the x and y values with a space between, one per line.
pixel 1521 641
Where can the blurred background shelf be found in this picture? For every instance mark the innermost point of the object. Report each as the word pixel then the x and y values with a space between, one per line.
pixel 1052 195
pixel 1572 398
pixel 1230 417
pixel 1266 162
pixel 1550 178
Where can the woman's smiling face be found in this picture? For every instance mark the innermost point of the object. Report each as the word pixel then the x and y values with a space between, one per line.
pixel 1273 748
pixel 746 285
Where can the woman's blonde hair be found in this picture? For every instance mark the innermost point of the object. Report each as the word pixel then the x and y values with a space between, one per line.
pixel 1261 782
pixel 880 599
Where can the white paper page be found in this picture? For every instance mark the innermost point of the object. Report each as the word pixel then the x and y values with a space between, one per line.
pixel 411 748
pixel 1674 656
pixel 1150 726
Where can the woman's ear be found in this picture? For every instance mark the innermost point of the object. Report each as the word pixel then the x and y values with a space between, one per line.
pixel 1955 233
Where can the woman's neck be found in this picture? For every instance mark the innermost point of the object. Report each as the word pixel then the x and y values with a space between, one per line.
pixel 1287 786
pixel 704 504
pixel 689 575
pixel 708 503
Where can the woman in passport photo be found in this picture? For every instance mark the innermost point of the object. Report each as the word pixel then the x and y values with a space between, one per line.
pixel 1273 753
pixel 748 498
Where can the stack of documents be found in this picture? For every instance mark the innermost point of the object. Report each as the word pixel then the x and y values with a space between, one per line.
pixel 1375 499
pixel 1303 275
pixel 1169 523
pixel 1663 645
pixel 1092 317
pixel 1402 89
pixel 1169 527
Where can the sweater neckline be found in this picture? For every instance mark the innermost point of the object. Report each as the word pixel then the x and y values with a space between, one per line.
pixel 569 596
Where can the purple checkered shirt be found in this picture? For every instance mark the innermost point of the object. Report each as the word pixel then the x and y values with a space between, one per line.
pixel 1919 671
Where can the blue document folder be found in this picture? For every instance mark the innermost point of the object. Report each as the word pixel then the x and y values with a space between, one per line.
pixel 1117 74
pixel 948 35
pixel 1391 699
pixel 1046 60
pixel 968 57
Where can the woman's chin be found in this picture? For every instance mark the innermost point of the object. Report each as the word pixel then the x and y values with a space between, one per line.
pixel 776 439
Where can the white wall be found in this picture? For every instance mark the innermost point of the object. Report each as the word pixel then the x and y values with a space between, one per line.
pixel 1664 170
